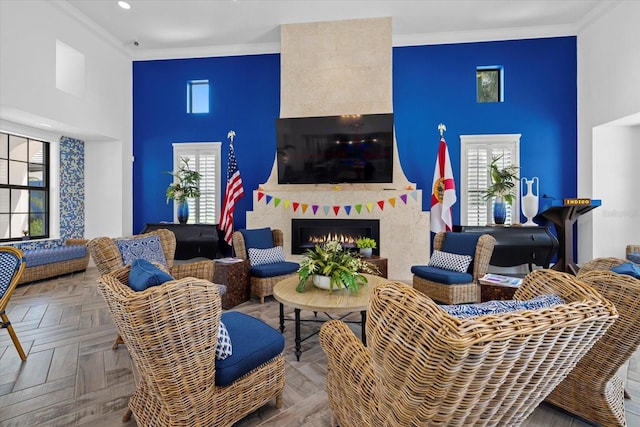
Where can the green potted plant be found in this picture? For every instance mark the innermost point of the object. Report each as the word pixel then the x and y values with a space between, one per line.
pixel 185 186
pixel 366 246
pixel 340 268
pixel 502 189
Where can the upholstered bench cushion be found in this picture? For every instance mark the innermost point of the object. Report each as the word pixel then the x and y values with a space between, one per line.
pixel 35 257
pixel 275 269
pixel 634 257
pixel 254 343
pixel 439 275
pixel 495 307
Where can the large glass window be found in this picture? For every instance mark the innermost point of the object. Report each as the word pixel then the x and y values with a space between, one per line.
pixel 203 157
pixel 24 187
pixel 477 151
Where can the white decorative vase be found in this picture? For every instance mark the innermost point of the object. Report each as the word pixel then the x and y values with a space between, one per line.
pixel 322 282
pixel 366 252
pixel 529 201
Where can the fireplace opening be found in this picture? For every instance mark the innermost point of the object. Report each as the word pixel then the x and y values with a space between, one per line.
pixel 306 233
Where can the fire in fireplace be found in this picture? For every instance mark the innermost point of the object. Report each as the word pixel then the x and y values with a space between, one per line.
pixel 306 233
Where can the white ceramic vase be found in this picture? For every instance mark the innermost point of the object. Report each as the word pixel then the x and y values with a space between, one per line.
pixel 530 199
pixel 322 282
pixel 366 252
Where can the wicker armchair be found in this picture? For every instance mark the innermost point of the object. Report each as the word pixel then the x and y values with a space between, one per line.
pixel 600 264
pixel 107 258
pixel 458 293
pixel 171 332
pixel 423 367
pixel 260 286
pixel 632 253
pixel 593 390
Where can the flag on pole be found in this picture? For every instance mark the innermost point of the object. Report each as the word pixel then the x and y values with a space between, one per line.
pixel 233 193
pixel 443 195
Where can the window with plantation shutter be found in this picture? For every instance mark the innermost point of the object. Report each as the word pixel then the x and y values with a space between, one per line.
pixel 477 151
pixel 204 157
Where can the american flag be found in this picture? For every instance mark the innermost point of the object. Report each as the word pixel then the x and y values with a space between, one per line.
pixel 233 193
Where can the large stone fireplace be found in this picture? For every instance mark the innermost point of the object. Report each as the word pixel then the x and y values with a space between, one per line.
pixel 339 68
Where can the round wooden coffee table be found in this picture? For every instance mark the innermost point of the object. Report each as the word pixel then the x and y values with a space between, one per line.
pixel 337 302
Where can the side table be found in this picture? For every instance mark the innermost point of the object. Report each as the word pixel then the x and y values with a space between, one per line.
pixel 235 275
pixel 491 292
pixel 379 262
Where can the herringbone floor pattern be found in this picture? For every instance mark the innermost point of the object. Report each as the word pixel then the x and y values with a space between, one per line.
pixel 73 377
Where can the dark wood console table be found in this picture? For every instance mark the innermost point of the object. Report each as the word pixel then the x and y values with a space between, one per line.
pixel 564 216
pixel 517 245
pixel 192 240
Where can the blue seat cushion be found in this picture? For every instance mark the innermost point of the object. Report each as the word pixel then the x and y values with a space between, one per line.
pixel 439 275
pixel 634 257
pixel 628 268
pixel 260 238
pixel 462 244
pixel 275 269
pixel 254 343
pixel 497 307
pixel 35 257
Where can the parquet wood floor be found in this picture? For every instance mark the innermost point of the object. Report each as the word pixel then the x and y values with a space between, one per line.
pixel 72 377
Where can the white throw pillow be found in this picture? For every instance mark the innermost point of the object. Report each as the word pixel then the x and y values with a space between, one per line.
pixel 223 349
pixel 449 261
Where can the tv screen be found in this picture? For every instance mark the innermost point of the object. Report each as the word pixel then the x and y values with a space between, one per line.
pixel 336 149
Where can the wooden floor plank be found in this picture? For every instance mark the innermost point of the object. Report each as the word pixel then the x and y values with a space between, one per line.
pixel 34 370
pixel 64 362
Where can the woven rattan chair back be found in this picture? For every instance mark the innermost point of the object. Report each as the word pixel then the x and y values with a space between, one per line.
pixel 171 333
pixel 600 264
pixel 11 268
pixel 260 286
pixel 593 390
pixel 423 367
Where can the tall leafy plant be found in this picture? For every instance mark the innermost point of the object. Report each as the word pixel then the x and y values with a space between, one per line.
pixel 503 181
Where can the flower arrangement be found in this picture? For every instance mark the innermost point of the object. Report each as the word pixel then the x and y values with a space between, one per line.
pixel 502 181
pixel 185 184
pixel 365 242
pixel 343 268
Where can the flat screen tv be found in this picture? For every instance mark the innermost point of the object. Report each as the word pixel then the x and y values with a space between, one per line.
pixel 335 149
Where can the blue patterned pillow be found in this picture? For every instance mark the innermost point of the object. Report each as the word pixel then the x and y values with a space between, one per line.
pixel 628 268
pixel 494 307
pixel 148 248
pixel 265 256
pixel 223 349
pixel 449 261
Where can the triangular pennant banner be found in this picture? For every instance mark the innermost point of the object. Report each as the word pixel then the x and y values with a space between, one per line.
pixel 276 202
pixel 347 208
pixel 286 204
pixel 358 208
pixel 403 197
pixel 326 209
pixel 315 208
pixel 295 206
pixel 414 194
pixel 336 209
pixel 269 198
pixel 381 204
pixel 305 207
pixel 369 206
pixel 392 202
pixel 260 195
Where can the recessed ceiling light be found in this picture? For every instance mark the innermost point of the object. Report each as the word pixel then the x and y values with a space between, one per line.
pixel 124 5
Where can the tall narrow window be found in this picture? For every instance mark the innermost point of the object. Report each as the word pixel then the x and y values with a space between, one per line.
pixel 477 151
pixel 24 187
pixel 203 157
pixel 489 84
pixel 198 96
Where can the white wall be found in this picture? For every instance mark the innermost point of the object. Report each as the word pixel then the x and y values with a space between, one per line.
pixel 103 112
pixel 608 89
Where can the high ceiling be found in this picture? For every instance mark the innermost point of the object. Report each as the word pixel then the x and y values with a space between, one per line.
pixel 176 28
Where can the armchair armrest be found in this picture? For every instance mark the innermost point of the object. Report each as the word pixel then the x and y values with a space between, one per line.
pixel 350 377
pixel 200 270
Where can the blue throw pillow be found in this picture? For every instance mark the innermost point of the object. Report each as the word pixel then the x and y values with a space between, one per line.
pixel 223 348
pixel 148 248
pixel 143 275
pixel 462 311
pixel 628 268
pixel 260 238
pixel 449 261
pixel 265 256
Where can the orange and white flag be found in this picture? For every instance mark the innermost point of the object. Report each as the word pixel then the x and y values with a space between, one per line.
pixel 443 195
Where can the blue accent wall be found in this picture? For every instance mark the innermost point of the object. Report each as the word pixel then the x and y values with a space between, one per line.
pixel 431 84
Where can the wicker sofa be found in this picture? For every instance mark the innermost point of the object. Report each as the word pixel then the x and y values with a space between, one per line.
pixel 423 367
pixel 45 263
